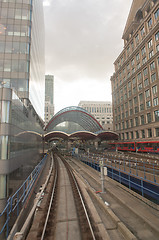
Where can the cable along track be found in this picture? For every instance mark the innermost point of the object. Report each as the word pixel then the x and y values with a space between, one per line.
pixel 66 217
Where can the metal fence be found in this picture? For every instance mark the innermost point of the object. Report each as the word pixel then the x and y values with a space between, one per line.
pixel 15 202
pixel 141 175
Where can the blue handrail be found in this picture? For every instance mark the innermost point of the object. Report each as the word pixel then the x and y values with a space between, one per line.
pixel 20 196
pixel 86 159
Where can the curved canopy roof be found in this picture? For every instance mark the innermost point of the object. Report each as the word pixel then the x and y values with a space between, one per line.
pixel 83 135
pixel 77 115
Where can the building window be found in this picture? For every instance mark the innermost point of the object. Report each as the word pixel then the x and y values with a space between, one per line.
pixel 134 90
pixel 157 132
pixel 143 50
pixel 152 66
pixel 157 13
pixel 149 132
pixel 151 54
pixel 142 107
pixel 142 120
pixel 137 38
pixel 126 114
pixel 157 36
pixel 132 45
pixel 146 82
pixel 150 22
pixel 154 89
pixel 130 103
pixel 155 101
pixel 129 93
pixel 142 31
pixel 122 136
pixel 137 57
pixel 136 109
pixel 139 77
pixel 148 117
pixel 141 97
pixel 127 124
pixel 144 60
pixel 136 121
pixel 153 77
pixel 121 60
pixel 135 100
pixel 140 86
pixel 131 123
pixel 157 48
pixel 150 44
pixel 137 134
pixel 132 62
pixel 145 71
pixel 143 133
pixel 134 81
pixel 131 111
pixel 147 93
pixel 128 50
pixel 129 84
pixel 138 66
pixel 126 105
pixel 156 113
pixel 127 135
pixel 132 135
pixel 148 104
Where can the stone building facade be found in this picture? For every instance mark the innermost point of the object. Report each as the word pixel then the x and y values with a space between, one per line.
pixel 135 83
pixel 101 111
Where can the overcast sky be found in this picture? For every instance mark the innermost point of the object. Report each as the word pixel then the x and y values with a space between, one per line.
pixel 83 39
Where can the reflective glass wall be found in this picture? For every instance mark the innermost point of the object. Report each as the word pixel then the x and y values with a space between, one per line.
pixel 22 49
pixel 21 145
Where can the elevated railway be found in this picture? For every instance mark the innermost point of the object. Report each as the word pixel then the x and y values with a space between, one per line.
pixel 72 205
pixel 64 215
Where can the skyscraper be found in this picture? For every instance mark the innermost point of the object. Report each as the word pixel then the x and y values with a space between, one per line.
pixel 135 83
pixel 22 49
pixel 22 86
pixel 49 97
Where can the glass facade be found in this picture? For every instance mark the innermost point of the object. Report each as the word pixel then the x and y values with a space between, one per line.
pixel 20 141
pixel 22 49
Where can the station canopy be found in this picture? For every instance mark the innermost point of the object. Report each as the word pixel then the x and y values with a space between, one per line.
pixel 76 123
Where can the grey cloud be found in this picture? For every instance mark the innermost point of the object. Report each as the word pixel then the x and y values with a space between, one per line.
pixel 83 38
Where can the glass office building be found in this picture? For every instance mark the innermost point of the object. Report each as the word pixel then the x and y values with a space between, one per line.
pixel 22 49
pixel 22 75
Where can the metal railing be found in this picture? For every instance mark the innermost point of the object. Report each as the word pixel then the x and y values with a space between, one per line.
pixel 17 200
pixel 140 174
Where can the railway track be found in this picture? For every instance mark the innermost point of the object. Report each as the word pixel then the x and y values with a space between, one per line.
pixel 138 219
pixel 66 216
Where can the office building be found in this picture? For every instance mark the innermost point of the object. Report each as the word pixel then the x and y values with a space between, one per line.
pixel 135 83
pixel 22 50
pixel 49 97
pixel 101 111
pixel 22 86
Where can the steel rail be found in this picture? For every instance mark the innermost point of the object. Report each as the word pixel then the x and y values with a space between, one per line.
pixel 50 205
pixel 81 198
